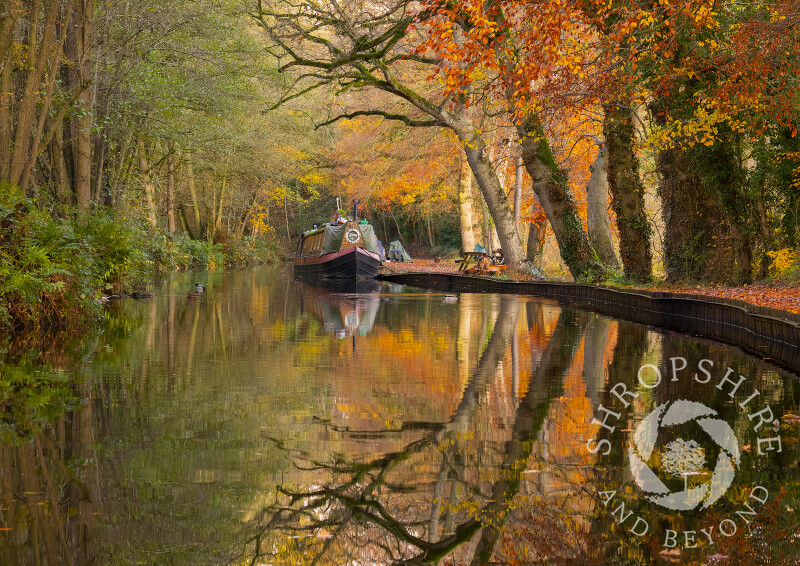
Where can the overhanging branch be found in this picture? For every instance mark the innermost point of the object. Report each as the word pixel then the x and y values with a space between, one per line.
pixel 388 115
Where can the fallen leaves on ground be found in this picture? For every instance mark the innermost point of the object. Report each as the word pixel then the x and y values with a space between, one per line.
pixel 420 265
pixel 784 297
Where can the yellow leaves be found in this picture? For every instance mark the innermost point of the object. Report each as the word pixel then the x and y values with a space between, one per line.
pixel 712 43
pixel 783 260
pixel 791 156
pixel 312 178
pixel 260 221
pixel 702 128
pixel 278 195
pixel 775 15
pixel 290 152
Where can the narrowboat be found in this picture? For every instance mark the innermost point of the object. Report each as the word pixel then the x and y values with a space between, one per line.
pixel 338 250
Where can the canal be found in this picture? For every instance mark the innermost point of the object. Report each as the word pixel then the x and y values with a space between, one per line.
pixel 273 422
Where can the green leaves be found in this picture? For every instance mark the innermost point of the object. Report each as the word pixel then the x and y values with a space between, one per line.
pixel 31 399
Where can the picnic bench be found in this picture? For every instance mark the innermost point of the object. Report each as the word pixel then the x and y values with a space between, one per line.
pixel 469 259
pixel 481 263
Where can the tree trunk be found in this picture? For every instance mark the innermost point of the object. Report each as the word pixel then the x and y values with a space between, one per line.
pixel 100 194
pixel 171 194
pixel 37 146
pixel 193 193
pixel 767 234
pixel 627 192
pixel 7 25
pixel 486 228
pixel 6 100
pixel 39 54
pixel 536 233
pixel 59 165
pixel 185 222
pixel 218 212
pixel 147 185
pixel 550 186
pixel 698 241
pixel 81 43
pixel 429 225
pixel 249 211
pixel 723 170
pixel 690 214
pixel 8 21
pixel 520 167
pixel 115 181
pixel 465 207
pixel 486 176
pixel 597 221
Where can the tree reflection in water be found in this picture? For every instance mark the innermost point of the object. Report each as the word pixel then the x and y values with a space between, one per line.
pixel 524 492
pixel 48 466
pixel 386 510
pixel 452 434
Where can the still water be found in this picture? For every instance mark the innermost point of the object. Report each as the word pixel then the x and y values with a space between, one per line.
pixel 272 422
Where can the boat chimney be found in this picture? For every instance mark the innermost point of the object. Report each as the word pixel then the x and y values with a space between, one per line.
pixel 355 209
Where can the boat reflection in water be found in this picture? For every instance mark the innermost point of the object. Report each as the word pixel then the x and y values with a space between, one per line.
pixel 346 307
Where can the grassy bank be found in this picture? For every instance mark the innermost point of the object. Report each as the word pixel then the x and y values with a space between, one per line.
pixel 54 269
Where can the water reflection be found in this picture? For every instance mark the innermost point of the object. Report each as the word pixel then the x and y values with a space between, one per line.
pixel 270 421
pixel 347 310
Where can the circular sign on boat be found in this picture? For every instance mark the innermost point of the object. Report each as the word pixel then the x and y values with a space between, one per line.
pixel 352 236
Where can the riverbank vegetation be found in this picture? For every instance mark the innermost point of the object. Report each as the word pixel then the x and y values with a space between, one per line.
pixel 129 144
pixel 600 141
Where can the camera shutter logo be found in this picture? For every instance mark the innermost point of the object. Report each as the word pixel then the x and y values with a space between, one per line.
pixel 683 458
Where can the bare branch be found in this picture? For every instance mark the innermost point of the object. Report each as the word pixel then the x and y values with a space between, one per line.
pixel 388 115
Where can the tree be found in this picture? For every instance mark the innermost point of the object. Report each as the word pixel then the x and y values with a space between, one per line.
pixel 358 47
pixel 710 72
pixel 627 192
pixel 31 106
pixel 404 177
pixel 499 54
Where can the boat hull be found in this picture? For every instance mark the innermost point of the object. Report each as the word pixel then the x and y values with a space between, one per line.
pixel 349 263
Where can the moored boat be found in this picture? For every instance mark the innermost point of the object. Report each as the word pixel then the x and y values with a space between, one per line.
pixel 338 250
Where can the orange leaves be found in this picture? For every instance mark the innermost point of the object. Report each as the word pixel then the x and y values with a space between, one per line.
pixel 387 166
pixel 784 297
pixel 533 55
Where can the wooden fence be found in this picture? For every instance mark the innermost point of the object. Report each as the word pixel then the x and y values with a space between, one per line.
pixel 764 332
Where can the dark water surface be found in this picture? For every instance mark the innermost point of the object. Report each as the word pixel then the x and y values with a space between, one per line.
pixel 272 422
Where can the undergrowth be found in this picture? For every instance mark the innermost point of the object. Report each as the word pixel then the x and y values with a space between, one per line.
pixel 54 269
